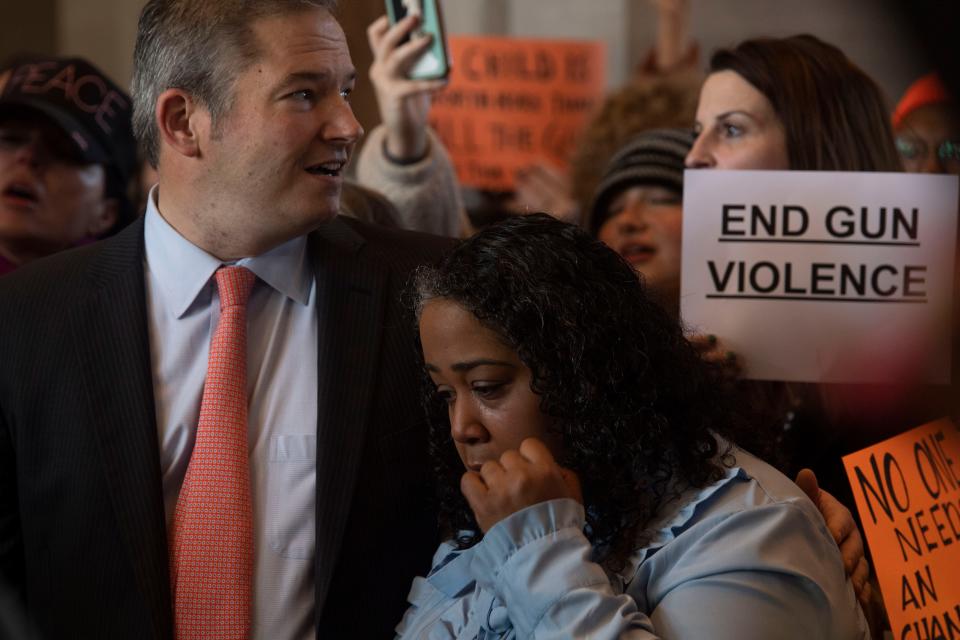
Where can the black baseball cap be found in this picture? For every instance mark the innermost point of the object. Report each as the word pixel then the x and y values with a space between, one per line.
pixel 93 111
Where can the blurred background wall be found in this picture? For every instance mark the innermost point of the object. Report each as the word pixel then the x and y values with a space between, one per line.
pixel 868 30
pixel 27 26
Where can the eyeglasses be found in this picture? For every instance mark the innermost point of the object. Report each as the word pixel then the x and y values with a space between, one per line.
pixel 912 148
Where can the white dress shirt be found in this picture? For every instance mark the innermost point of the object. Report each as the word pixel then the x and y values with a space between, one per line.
pixel 183 309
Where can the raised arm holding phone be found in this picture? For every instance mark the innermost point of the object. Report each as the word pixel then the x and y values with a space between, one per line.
pixel 402 157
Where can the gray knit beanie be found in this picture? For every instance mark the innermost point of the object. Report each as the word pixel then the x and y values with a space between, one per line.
pixel 653 157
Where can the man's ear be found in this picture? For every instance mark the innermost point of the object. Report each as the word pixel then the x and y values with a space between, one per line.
pixel 104 219
pixel 181 122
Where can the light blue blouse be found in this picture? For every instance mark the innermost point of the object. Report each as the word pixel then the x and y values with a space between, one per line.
pixel 746 557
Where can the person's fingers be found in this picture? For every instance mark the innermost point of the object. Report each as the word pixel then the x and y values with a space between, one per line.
pixel 546 182
pixel 713 350
pixel 535 451
pixel 540 196
pixel 473 488
pixel 491 471
pixel 403 57
pixel 394 35
pixel 552 172
pixel 839 521
pixel 375 32
pixel 720 356
pixel 573 484
pixel 866 593
pixel 807 481
pixel 860 579
pixel 549 177
pixel 512 459
pixel 533 194
pixel 521 180
pixel 410 88
pixel 525 197
pixel 427 86
pixel 851 550
pixel 534 177
pixel 702 341
pixel 843 529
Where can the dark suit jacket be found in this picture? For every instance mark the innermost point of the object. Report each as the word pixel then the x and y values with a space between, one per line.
pixel 82 530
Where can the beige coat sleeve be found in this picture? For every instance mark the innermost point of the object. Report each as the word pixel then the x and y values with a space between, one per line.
pixel 426 193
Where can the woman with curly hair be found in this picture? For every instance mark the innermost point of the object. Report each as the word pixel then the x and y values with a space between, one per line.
pixel 589 486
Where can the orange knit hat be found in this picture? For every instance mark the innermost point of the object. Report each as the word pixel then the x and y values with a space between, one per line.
pixel 926 90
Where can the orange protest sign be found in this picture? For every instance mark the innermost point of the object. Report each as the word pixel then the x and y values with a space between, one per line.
pixel 907 490
pixel 510 102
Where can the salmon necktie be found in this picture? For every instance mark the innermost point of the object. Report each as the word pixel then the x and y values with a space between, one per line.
pixel 211 560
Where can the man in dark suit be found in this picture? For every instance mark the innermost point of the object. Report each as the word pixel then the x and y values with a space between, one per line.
pixel 105 350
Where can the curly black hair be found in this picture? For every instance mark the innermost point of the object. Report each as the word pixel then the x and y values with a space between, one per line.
pixel 635 407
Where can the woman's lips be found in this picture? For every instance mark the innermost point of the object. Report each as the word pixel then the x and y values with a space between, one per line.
pixel 20 196
pixel 638 253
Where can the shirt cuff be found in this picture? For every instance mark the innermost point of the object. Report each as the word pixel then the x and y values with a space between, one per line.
pixel 519 529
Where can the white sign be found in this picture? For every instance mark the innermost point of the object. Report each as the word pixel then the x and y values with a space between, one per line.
pixel 816 276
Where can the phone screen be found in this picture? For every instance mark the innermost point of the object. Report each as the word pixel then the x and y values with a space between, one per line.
pixel 434 63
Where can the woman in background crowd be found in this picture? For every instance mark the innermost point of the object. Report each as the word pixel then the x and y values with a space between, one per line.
pixel 800 104
pixel 637 209
pixel 602 496
pixel 927 127
pixel 645 104
pixel 791 103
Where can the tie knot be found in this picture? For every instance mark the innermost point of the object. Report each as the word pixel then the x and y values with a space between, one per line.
pixel 234 285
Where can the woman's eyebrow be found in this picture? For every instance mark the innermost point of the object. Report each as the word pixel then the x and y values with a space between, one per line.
pixel 733 112
pixel 471 364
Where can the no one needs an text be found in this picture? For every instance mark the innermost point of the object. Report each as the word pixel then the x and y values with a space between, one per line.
pixel 887 494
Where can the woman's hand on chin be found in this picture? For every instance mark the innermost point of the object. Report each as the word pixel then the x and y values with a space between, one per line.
pixel 519 479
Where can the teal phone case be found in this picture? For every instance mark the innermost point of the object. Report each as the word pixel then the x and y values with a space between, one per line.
pixel 435 62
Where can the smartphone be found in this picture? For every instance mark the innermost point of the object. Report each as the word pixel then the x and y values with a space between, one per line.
pixel 435 61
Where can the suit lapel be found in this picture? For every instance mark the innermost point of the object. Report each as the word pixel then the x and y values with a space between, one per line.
pixel 110 330
pixel 351 291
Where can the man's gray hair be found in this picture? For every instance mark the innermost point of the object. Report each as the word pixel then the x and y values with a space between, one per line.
pixel 199 46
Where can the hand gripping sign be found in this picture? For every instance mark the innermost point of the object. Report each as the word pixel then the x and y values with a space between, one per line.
pixel 822 276
pixel 907 491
